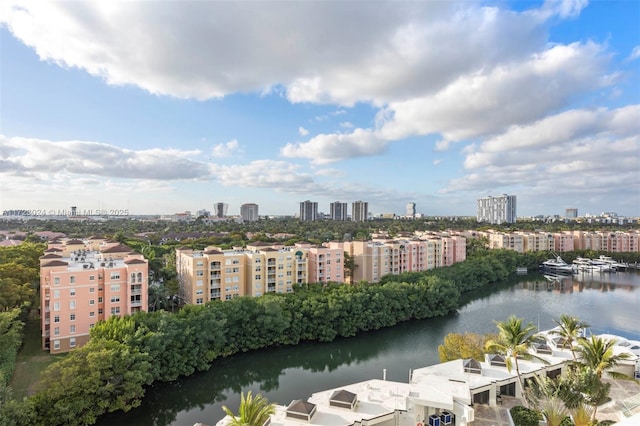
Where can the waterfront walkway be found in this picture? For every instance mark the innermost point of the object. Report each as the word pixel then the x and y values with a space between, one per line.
pixel 625 402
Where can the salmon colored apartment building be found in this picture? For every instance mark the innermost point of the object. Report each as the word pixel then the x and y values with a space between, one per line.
pixel 86 281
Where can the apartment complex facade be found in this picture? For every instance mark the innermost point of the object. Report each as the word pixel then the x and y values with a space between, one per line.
pixel 261 268
pixel 497 210
pixel 83 282
pixel 523 242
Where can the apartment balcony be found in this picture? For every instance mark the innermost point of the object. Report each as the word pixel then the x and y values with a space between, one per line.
pixel 136 303
pixel 271 263
pixel 216 286
pixel 136 291
pixel 215 275
pixel 271 289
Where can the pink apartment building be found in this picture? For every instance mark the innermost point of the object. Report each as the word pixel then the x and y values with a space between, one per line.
pixel 83 282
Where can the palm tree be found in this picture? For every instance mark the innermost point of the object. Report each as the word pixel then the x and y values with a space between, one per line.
pixel 514 342
pixel 252 411
pixel 596 354
pixel 570 329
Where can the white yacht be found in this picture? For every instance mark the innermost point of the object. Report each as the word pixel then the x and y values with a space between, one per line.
pixel 557 265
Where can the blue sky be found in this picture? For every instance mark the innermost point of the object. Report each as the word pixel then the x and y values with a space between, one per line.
pixel 167 106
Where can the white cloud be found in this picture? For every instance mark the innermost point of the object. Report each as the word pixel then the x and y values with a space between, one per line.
pixel 583 153
pixel 303 131
pixel 436 162
pixel 346 125
pixel 476 105
pixel 226 149
pixel 209 49
pixel 635 53
pixel 38 157
pixel 327 148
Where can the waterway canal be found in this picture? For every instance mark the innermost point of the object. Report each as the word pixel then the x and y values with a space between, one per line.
pixel 609 302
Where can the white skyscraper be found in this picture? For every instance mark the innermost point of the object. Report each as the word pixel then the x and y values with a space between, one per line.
pixel 249 212
pixel 411 209
pixel 497 210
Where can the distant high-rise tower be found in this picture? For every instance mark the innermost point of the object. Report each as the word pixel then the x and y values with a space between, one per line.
pixel 359 211
pixel 249 212
pixel 571 213
pixel 74 210
pixel 339 211
pixel 308 210
pixel 497 210
pixel 411 209
pixel 220 209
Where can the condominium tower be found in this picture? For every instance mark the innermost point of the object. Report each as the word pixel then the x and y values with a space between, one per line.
pixel 220 210
pixel 86 281
pixel 497 210
pixel 411 210
pixel 249 212
pixel 338 211
pixel 308 210
pixel 359 211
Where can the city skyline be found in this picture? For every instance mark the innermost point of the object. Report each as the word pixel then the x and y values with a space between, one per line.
pixel 433 103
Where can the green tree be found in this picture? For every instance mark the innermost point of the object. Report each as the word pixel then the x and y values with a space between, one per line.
pixel 569 329
pixel 514 342
pixel 100 377
pixel 463 346
pixel 597 354
pixel 253 411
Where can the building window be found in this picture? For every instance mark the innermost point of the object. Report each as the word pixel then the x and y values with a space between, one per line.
pixel 72 279
pixel 227 297
pixel 72 328
pixel 72 342
pixel 258 268
pixel 115 310
pixel 100 299
pixel 91 326
pixel 56 318
pixel 115 299
pixel 139 277
pixel 92 289
pixel 72 304
pixel 133 277
pixel 92 314
pixel 115 288
pixel 200 291
pixel 199 273
pixel 115 275
pixel 56 306
pixel 56 294
pixel 56 331
pixel 92 277
pixel 258 260
pixel 72 292
pixel 100 311
pixel 199 301
pixel 72 317
pixel 56 281
pixel 199 283
pixel 56 345
pixel 258 277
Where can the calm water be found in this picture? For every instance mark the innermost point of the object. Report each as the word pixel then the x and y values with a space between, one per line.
pixel 610 303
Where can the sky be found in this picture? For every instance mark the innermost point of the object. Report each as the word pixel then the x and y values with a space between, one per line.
pixel 170 106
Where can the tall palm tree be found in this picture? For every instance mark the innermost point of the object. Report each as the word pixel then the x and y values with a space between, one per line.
pixel 252 411
pixel 514 342
pixel 597 354
pixel 570 329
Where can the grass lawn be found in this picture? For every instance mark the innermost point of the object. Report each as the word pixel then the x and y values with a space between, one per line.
pixel 31 361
